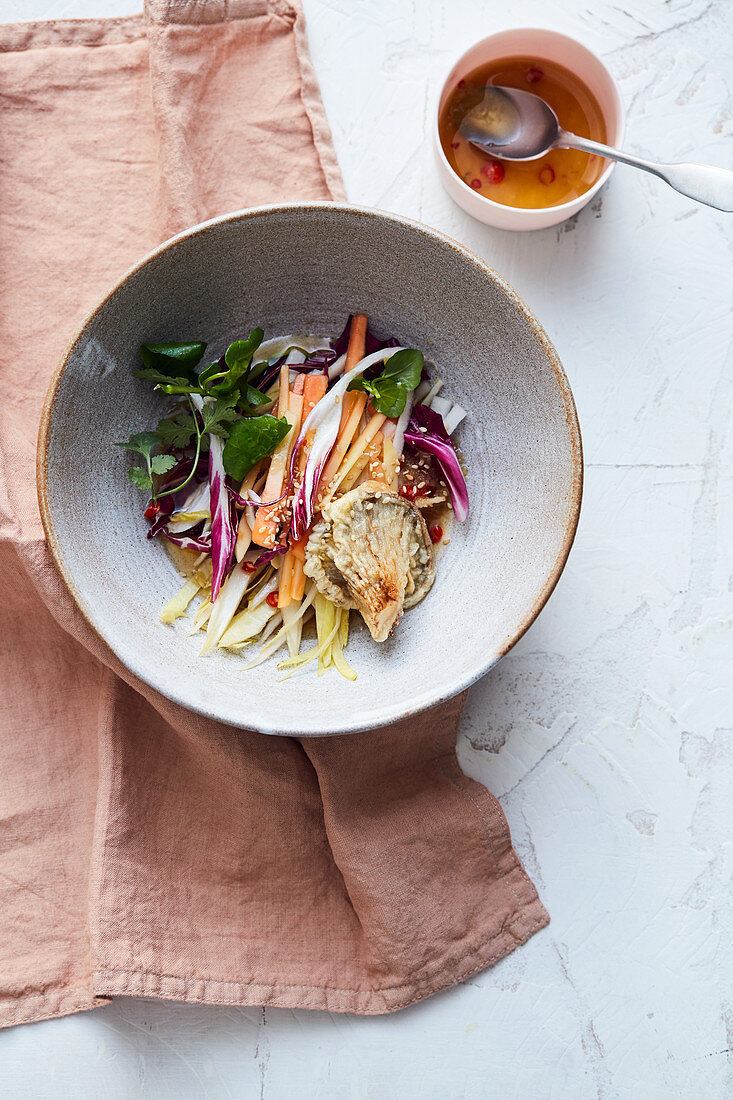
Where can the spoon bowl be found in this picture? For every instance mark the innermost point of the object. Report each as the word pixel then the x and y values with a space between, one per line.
pixel 512 124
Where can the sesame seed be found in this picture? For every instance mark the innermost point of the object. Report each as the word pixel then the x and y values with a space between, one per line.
pixel 422 429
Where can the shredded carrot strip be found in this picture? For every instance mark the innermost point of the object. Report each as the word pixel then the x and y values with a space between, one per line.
pixel 297 584
pixel 356 450
pixel 286 577
pixel 357 341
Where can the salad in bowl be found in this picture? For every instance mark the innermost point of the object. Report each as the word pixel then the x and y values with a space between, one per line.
pixel 296 480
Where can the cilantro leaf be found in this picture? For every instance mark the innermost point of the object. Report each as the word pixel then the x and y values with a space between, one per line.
pixel 177 431
pixel 250 439
pixel 174 360
pixel 216 416
pixel 140 477
pixel 142 443
pixel 400 376
pixel 161 464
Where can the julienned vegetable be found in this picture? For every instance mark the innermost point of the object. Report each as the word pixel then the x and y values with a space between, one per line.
pixel 303 478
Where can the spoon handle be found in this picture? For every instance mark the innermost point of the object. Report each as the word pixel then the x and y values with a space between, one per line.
pixel 702 182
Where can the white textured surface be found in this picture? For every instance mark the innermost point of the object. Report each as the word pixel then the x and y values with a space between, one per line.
pixel 607 732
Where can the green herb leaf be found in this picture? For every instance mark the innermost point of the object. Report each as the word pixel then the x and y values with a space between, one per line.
pixel 174 360
pixel 400 376
pixel 142 443
pixel 250 439
pixel 177 431
pixel 218 380
pixel 251 398
pixel 218 415
pixel 161 464
pixel 166 383
pixel 140 477
pixel 241 351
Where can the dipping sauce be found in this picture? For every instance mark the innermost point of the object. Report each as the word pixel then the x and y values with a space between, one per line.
pixel 557 177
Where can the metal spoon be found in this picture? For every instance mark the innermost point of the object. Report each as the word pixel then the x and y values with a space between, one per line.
pixel 517 125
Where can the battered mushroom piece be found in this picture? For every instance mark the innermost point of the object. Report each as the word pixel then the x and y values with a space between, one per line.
pixel 372 551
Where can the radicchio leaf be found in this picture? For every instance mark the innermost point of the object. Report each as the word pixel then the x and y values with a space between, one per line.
pixel 426 432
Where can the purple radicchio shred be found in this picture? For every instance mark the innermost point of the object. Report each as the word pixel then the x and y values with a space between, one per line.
pixel 223 518
pixel 268 555
pixel 426 432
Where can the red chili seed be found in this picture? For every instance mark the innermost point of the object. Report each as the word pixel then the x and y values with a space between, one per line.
pixel 547 175
pixel 248 566
pixel 534 74
pixel 424 490
pixel 436 533
pixel 455 145
pixel 493 171
pixel 476 184
pixel 152 510
pixel 271 599
pixel 408 491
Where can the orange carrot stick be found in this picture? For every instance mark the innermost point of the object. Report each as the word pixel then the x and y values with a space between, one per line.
pixel 297 585
pixel 357 341
pixel 314 388
pixel 267 519
pixel 286 577
pixel 356 450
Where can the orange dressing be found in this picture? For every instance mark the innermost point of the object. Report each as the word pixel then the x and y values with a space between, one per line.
pixel 557 177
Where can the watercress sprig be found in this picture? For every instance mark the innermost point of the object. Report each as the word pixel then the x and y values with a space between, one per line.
pixel 400 376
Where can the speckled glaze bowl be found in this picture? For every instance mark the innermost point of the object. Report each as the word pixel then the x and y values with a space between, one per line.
pixel 304 268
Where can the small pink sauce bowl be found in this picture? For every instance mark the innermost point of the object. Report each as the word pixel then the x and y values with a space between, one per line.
pixel 545 46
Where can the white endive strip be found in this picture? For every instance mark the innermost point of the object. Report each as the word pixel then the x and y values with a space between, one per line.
pixel 404 420
pixel 454 418
pixel 225 607
pixel 337 367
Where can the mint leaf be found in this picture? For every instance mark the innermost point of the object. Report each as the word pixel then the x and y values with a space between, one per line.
pixel 400 376
pixel 174 360
pixel 250 439
pixel 140 477
pixel 161 464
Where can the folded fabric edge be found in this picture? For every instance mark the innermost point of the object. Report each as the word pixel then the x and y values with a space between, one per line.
pixel 43 33
pixel 366 1002
pixel 48 1006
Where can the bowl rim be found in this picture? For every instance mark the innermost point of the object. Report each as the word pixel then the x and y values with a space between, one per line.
pixel 571 206
pixel 427 699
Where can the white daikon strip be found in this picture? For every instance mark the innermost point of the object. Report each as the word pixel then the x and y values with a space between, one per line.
pixel 454 418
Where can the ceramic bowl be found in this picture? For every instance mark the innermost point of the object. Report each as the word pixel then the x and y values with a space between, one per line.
pixel 304 268
pixel 543 45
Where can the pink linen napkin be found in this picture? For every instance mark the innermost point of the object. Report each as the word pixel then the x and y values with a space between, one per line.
pixel 143 849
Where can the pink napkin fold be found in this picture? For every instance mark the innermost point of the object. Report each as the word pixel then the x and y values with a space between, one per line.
pixel 143 849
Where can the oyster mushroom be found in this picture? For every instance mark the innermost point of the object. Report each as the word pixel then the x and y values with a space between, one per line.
pixel 372 551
